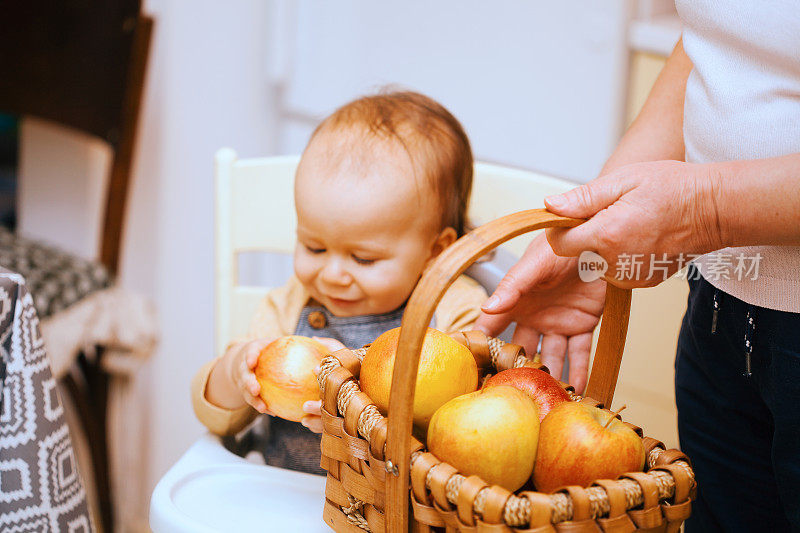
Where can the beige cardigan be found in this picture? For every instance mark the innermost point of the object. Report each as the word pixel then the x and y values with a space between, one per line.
pixel 277 315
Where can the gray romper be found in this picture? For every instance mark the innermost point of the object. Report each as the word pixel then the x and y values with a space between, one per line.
pixel 287 444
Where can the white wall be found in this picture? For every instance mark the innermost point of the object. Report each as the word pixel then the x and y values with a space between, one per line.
pixel 207 90
pixel 536 84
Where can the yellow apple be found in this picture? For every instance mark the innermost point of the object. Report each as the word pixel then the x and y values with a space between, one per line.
pixel 491 433
pixel 446 369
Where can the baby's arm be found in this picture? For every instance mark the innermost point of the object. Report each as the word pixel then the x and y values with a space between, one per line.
pixel 222 390
pixel 232 383
pixel 460 306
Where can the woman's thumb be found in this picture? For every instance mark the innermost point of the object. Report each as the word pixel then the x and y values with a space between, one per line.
pixel 586 200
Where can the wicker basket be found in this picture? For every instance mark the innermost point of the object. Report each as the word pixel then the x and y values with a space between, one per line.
pixel 381 479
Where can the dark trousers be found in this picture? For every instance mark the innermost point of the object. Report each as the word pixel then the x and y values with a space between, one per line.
pixel 742 432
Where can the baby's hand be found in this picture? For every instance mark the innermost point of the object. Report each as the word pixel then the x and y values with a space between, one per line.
pixel 241 372
pixel 313 420
pixel 331 344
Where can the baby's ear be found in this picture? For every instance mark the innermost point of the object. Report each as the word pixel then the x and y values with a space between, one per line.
pixel 447 237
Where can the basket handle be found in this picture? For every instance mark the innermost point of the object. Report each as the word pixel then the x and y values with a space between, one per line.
pixel 430 289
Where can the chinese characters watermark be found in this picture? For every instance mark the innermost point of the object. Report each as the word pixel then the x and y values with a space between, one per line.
pixel 716 266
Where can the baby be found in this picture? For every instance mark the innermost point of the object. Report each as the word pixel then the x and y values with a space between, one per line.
pixel 381 189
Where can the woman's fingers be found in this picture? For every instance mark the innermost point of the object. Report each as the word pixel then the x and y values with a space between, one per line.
pixel 579 348
pixel 535 266
pixel 528 338
pixel 592 235
pixel 589 199
pixel 554 349
pixel 493 325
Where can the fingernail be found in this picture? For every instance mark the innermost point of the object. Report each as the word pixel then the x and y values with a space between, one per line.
pixel 557 200
pixel 491 304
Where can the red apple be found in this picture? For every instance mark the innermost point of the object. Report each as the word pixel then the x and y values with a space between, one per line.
pixel 491 433
pixel 576 447
pixel 285 371
pixel 540 386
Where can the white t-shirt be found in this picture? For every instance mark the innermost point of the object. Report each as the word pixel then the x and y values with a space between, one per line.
pixel 743 102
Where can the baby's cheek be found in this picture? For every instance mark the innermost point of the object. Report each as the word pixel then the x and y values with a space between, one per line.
pixel 303 268
pixel 392 285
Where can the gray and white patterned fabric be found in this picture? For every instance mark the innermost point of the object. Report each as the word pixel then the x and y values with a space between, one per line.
pixel 40 487
pixel 55 278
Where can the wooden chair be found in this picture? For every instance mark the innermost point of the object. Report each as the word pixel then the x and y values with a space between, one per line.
pixel 81 65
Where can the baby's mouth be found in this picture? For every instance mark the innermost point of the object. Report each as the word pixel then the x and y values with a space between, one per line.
pixel 341 301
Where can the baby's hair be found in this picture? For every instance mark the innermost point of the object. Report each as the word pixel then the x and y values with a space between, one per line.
pixel 432 137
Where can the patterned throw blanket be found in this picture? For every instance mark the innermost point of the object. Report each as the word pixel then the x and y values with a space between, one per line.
pixel 40 487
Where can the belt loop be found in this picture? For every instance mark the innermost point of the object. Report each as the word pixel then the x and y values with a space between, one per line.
pixel 717 303
pixel 749 329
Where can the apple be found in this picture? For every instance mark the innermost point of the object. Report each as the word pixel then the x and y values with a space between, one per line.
pixel 491 433
pixel 285 371
pixel 446 369
pixel 579 443
pixel 540 386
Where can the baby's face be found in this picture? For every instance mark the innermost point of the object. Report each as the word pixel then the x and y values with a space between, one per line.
pixel 365 228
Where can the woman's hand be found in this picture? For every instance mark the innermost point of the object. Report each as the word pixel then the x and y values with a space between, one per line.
pixel 313 418
pixel 646 220
pixel 544 295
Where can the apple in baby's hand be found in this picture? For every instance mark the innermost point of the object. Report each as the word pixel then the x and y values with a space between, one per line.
pixel 285 371
pixel 576 447
pixel 540 386
pixel 491 433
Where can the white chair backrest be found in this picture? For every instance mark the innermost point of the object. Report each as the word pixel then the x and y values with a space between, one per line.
pixel 255 213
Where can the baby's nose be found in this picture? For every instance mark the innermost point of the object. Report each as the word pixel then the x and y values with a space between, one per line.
pixel 335 273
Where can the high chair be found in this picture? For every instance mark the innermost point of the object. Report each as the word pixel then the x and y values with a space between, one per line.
pixel 213 487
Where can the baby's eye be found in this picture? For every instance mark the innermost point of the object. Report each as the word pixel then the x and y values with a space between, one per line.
pixel 314 250
pixel 361 261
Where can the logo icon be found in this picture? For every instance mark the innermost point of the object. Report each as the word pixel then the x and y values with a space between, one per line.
pixel 591 266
